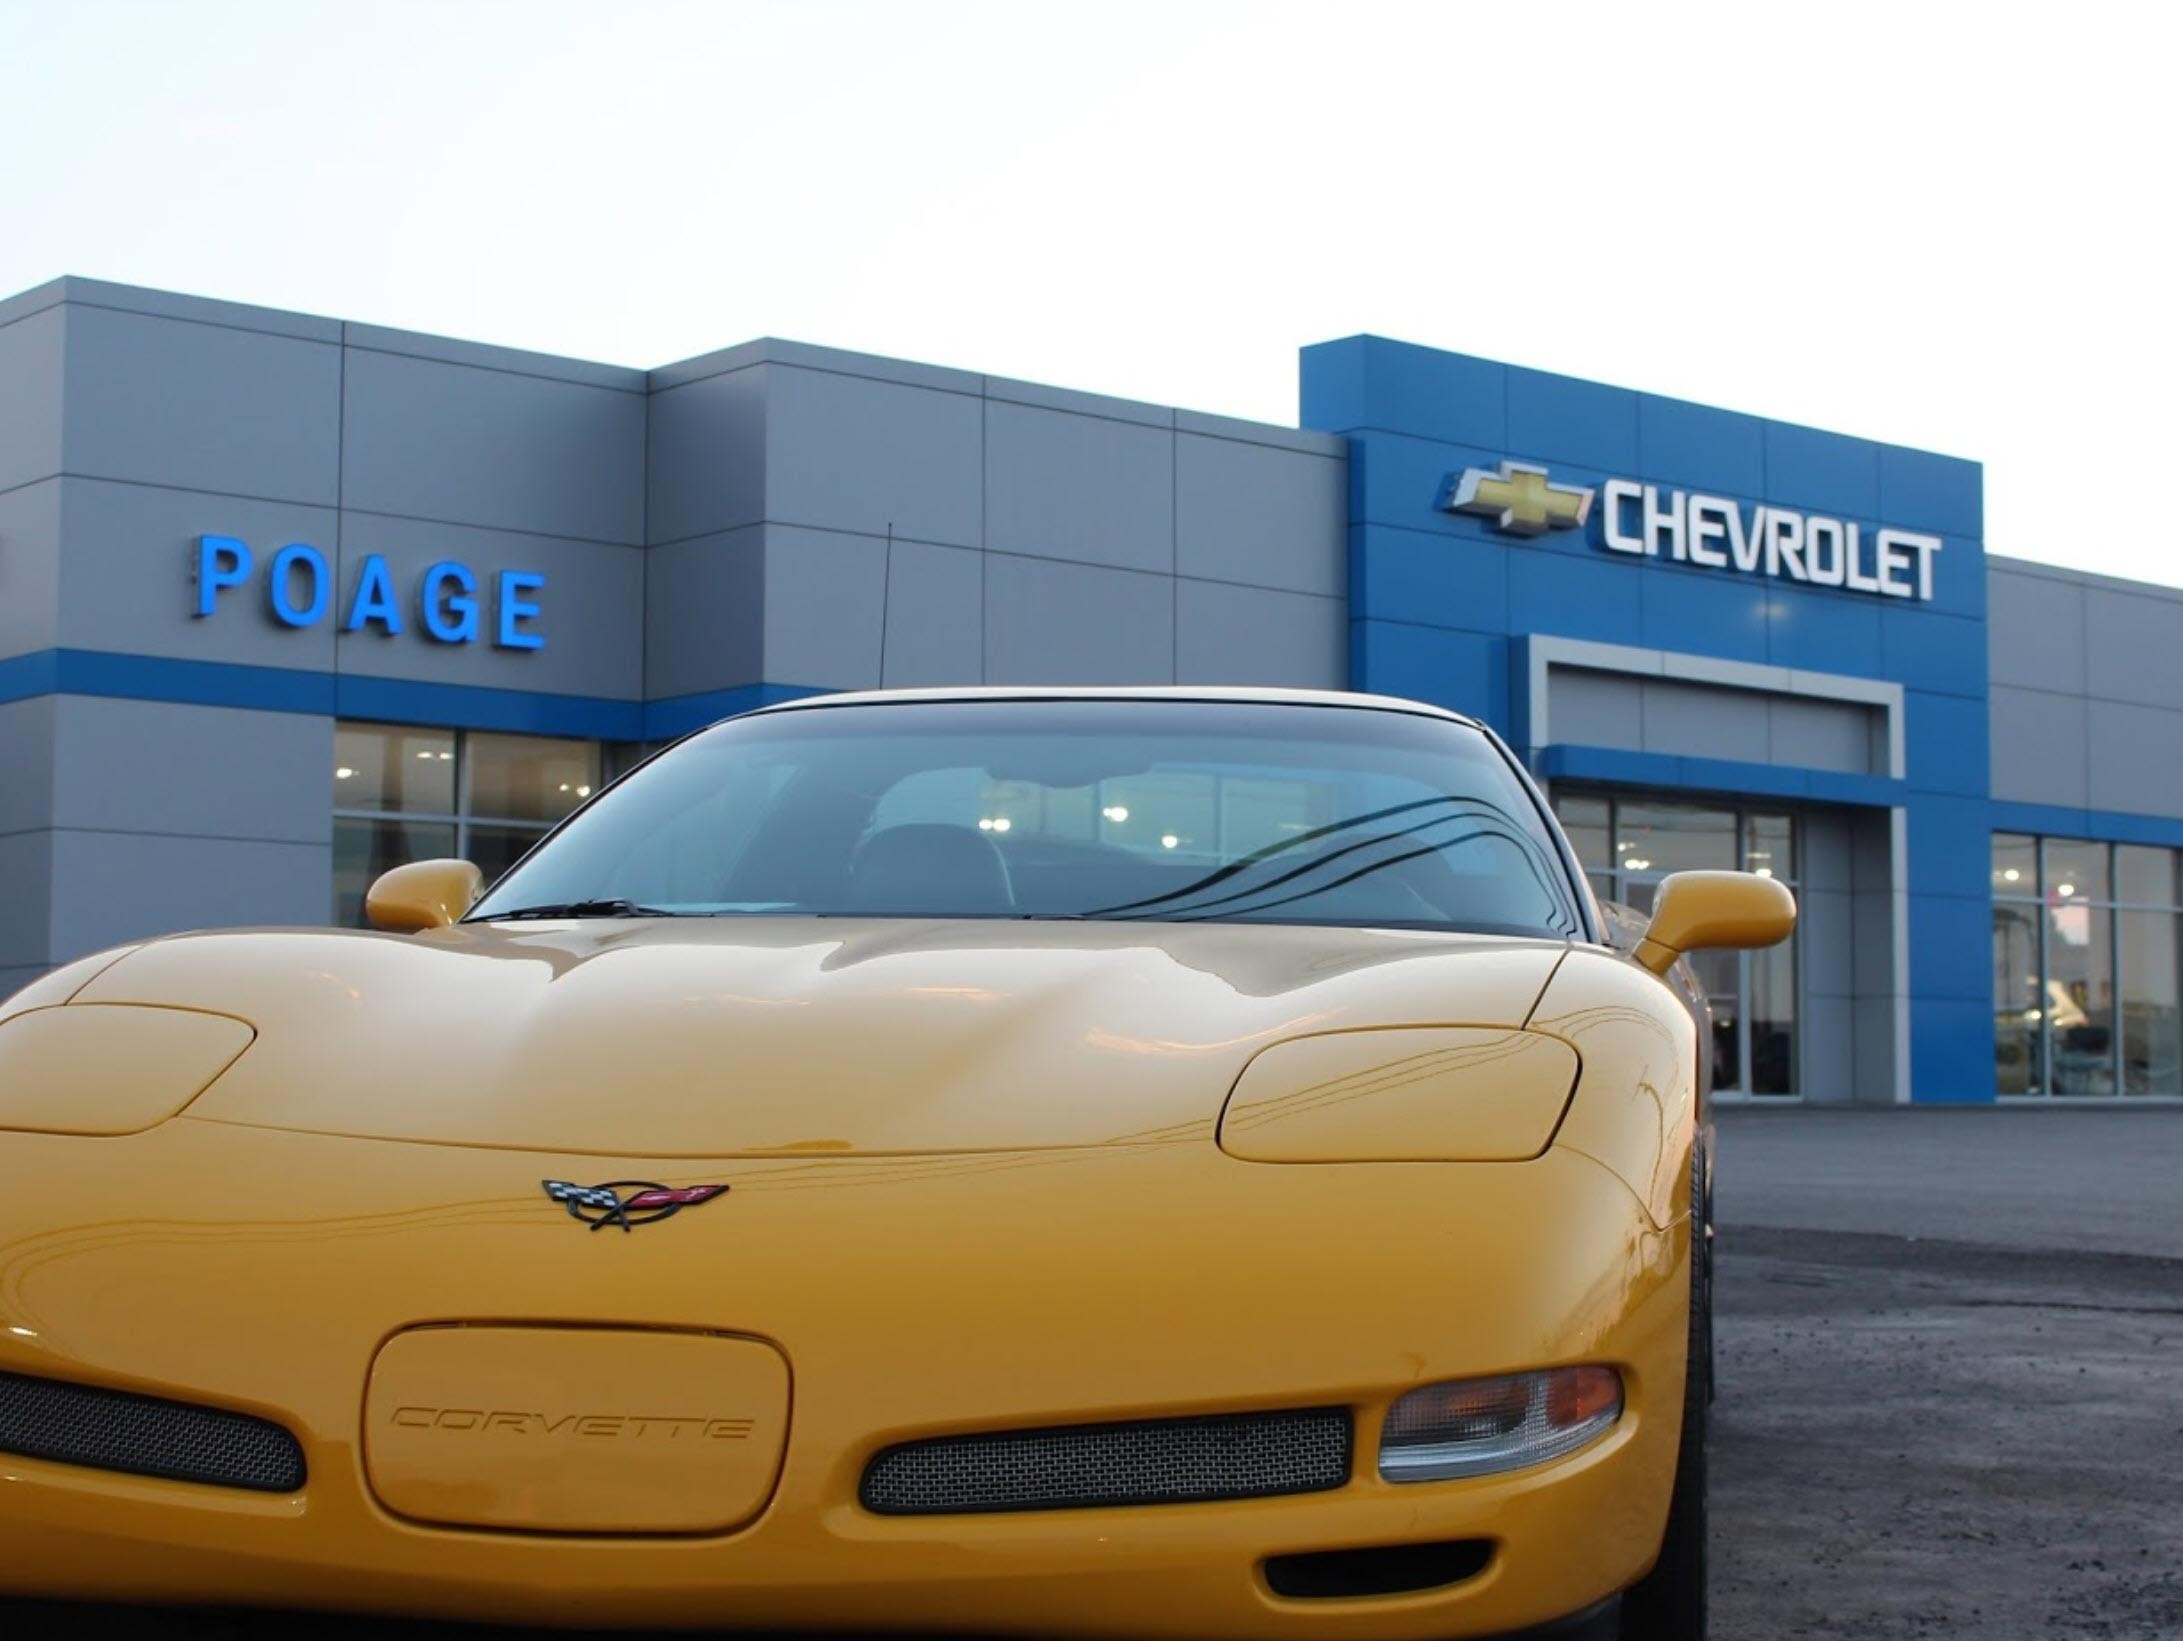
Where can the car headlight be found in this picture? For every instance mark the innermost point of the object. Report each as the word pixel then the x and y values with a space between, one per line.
pixel 1411 1094
pixel 110 1068
pixel 1478 1427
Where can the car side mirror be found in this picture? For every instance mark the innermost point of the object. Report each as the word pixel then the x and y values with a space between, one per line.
pixel 425 894
pixel 1692 911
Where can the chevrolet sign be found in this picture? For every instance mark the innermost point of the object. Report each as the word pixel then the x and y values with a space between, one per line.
pixel 1712 532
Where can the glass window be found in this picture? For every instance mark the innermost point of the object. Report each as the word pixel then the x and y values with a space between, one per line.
pixel 2016 865
pixel 1265 814
pixel 2080 998
pixel 2019 1031
pixel 1175 811
pixel 494 849
pixel 977 810
pixel 1771 1004
pixel 1720 974
pixel 2086 976
pixel 1585 820
pixel 2152 1050
pixel 1629 844
pixel 517 787
pixel 1674 837
pixel 381 767
pixel 2076 870
pixel 1769 845
pixel 528 777
pixel 2144 877
pixel 364 850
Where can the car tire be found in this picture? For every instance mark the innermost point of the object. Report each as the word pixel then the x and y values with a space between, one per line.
pixel 1669 1603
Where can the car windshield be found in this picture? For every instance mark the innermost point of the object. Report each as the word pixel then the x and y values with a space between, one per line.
pixel 1153 810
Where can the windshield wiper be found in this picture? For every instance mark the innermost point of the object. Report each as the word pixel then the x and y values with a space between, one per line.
pixel 582 908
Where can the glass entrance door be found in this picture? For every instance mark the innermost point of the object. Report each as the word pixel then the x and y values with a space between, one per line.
pixel 1628 844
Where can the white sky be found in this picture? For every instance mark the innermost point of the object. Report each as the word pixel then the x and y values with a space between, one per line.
pixel 1951 226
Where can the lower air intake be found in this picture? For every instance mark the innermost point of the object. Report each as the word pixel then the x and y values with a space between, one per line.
pixel 145 1436
pixel 1158 1461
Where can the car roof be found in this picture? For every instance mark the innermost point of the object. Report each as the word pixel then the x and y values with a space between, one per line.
pixel 1214 693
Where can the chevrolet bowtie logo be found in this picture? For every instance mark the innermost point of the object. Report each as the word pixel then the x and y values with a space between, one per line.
pixel 1520 499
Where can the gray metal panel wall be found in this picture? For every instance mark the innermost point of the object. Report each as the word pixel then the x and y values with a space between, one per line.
pixel 912 525
pixel 31 351
pixel 775 513
pixel 30 567
pixel 1828 983
pixel 2087 699
pixel 1682 718
pixel 174 418
pixel 26 840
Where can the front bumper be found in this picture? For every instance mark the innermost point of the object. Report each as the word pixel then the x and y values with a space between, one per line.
pixel 912 1296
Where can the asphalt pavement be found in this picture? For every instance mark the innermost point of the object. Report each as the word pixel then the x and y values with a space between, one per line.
pixel 2103 1179
pixel 1951 1376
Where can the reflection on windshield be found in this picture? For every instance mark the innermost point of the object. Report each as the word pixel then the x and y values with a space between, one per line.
pixel 1164 811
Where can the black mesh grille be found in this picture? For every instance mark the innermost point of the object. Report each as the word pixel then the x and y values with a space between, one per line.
pixel 1162 1461
pixel 145 1436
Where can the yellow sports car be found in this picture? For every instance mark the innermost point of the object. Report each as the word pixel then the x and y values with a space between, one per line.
pixel 1083 1163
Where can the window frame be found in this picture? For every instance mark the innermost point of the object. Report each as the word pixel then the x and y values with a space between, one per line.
pixel 1620 879
pixel 2112 903
pixel 461 819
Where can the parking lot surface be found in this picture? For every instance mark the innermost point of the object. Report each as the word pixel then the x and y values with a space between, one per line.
pixel 1951 1398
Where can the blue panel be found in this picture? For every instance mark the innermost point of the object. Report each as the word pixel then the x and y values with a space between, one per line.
pixel 25 676
pixel 1573 595
pixel 1945 744
pixel 318 694
pixel 1944 653
pixel 2107 824
pixel 1430 416
pixel 2158 829
pixel 1952 1051
pixel 1825 472
pixel 1959 579
pixel 1369 381
pixel 1420 576
pixel 1731 775
pixel 1951 947
pixel 1611 766
pixel 194 683
pixel 1922 491
pixel 1872 791
pixel 1558 418
pixel 1465 671
pixel 2041 817
pixel 1822 631
pixel 1403 481
pixel 1330 385
pixel 1700 448
pixel 1950 846
pixel 516 712
pixel 1704 612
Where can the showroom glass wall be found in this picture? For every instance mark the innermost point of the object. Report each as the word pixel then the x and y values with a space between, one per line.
pixel 1629 844
pixel 403 793
pixel 2086 944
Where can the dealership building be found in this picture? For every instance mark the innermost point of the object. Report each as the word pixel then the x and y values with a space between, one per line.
pixel 286 600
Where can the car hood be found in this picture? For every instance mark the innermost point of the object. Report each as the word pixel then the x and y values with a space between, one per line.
pixel 718 1037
